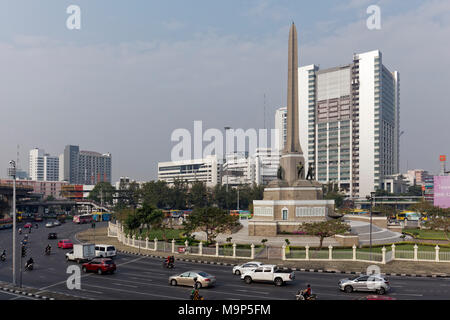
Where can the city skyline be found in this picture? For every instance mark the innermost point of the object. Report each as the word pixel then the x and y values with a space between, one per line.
pixel 132 112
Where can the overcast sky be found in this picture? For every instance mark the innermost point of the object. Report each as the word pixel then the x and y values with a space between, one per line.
pixel 137 70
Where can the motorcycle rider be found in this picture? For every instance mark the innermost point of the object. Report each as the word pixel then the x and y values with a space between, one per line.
pixel 195 294
pixel 48 248
pixel 29 263
pixel 20 230
pixel 3 255
pixel 307 292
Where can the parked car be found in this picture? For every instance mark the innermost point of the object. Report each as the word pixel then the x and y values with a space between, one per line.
pixel 375 283
pixel 100 266
pixel 65 244
pixel 187 279
pixel 268 273
pixel 105 250
pixel 52 235
pixel 242 268
pixel 28 225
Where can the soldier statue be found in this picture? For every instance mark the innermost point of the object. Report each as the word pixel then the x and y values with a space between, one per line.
pixel 300 168
pixel 310 175
pixel 280 173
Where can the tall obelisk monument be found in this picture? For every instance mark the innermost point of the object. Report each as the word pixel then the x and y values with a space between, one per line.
pixel 292 158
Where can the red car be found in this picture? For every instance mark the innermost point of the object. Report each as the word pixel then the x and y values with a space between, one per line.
pixel 101 266
pixel 65 244
pixel 28 225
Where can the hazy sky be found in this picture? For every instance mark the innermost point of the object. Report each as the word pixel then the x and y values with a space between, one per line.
pixel 137 70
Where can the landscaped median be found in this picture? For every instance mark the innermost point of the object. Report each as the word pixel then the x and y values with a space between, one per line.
pixel 392 268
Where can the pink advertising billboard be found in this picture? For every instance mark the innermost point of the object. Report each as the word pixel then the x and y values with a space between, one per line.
pixel 442 191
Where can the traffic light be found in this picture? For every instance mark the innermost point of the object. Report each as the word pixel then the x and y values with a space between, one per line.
pixel 24 251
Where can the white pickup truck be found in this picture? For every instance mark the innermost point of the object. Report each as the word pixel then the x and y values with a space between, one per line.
pixel 268 273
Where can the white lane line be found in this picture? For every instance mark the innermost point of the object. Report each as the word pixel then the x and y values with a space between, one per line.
pixel 128 281
pixel 64 281
pixel 406 294
pixel 135 292
pixel 96 292
pixel 252 291
pixel 246 295
pixel 124 285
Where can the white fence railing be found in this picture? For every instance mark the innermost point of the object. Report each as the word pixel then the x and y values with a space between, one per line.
pixel 287 253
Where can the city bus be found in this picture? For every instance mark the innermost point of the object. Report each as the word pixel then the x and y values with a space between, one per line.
pixel 84 218
pixel 6 223
pixel 408 215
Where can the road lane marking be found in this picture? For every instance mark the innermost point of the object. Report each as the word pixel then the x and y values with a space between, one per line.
pixel 124 285
pixel 243 290
pixel 127 291
pixel 406 294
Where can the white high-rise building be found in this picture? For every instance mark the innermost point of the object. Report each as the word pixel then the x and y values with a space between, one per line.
pixel 281 127
pixel 267 162
pixel 206 170
pixel 42 166
pixel 238 169
pixel 36 164
pixel 350 122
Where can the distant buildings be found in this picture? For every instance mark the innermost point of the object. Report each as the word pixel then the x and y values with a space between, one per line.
pixel 42 188
pixel 349 122
pixel 206 170
pixel 42 166
pixel 85 167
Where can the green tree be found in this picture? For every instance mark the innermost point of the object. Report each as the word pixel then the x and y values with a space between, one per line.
pixel 415 190
pixel 50 198
pixel 198 195
pixel 156 193
pixel 210 220
pixel 178 194
pixel 441 222
pixel 337 197
pixel 324 229
pixel 102 191
pixel 132 222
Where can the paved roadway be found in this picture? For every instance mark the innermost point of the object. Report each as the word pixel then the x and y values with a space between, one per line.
pixel 144 278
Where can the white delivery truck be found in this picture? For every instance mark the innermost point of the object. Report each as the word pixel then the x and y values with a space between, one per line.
pixel 81 252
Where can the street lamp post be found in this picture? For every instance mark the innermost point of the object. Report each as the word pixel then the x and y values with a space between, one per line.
pixel 226 128
pixel 12 173
pixel 372 197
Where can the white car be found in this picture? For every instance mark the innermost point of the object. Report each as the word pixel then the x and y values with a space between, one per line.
pixel 268 273
pixel 105 251
pixel 49 224
pixel 56 223
pixel 242 268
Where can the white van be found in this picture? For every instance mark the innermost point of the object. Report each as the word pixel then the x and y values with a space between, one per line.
pixel 105 250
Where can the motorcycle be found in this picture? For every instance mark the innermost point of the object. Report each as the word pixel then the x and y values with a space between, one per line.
pixel 167 265
pixel 3 257
pixel 300 296
pixel 47 251
pixel 28 267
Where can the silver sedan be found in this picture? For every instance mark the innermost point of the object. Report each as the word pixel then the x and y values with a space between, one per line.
pixel 375 283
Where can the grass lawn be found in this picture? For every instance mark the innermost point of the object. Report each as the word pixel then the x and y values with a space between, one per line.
pixel 427 234
pixel 170 234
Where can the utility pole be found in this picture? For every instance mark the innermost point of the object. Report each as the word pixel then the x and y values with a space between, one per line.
pixel 12 173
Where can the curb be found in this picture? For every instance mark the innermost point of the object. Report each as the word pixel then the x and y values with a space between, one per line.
pixel 295 268
pixel 24 293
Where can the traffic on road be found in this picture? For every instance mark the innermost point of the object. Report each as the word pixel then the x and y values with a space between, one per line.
pixel 106 274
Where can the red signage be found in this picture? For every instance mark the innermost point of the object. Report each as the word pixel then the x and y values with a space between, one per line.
pixel 423 188
pixel 181 249
pixel 443 158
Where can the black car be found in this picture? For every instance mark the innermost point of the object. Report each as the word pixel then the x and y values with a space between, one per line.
pixel 52 235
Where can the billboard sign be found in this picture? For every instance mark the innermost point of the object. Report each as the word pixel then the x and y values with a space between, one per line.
pixel 442 191
pixel 443 158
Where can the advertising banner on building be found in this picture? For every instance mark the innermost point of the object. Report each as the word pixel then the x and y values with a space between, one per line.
pixel 442 191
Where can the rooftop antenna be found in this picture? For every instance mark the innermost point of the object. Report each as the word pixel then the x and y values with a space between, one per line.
pixel 265 111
